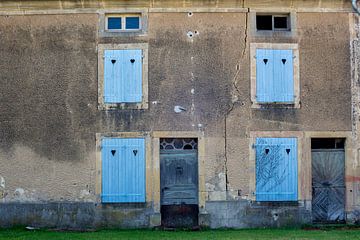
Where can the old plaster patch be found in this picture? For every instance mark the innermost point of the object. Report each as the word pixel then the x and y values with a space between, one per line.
pixel 2 182
pixel 19 194
pixel 85 195
pixel 216 190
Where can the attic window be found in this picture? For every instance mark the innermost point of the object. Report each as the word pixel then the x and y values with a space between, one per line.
pixel 273 22
pixel 128 22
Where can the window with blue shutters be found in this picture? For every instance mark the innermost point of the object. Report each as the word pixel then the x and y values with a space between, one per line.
pixel 123 170
pixel 123 76
pixel 274 76
pixel 276 169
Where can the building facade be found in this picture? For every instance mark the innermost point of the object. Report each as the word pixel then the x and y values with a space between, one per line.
pixel 223 113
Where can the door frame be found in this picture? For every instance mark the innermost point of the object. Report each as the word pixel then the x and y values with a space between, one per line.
pixel 156 135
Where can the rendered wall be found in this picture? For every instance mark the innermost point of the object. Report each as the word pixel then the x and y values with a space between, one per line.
pixel 49 116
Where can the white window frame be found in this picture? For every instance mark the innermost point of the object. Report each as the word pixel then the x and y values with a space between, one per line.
pixel 280 46
pixel 123 22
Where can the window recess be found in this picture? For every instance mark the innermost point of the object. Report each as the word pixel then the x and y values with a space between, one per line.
pixel 124 22
pixel 271 22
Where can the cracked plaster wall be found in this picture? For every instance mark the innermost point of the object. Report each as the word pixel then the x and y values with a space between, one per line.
pixel 49 96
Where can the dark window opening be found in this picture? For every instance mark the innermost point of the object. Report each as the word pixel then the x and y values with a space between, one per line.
pixel 264 22
pixel 281 23
pixel 327 143
pixel 273 22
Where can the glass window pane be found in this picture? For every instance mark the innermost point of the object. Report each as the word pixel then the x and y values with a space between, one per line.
pixel 264 22
pixel 114 23
pixel 132 23
pixel 281 22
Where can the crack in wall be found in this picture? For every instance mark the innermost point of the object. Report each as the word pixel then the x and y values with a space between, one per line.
pixel 235 98
pixel 225 148
pixel 234 80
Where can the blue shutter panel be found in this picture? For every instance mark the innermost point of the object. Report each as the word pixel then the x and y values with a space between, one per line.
pixel 122 76
pixel 132 75
pixel 264 75
pixel 109 76
pixel 283 76
pixel 123 170
pixel 274 76
pixel 276 169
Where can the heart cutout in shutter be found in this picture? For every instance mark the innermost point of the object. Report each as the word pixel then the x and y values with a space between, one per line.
pixel 267 151
pixel 113 61
pixel 113 152
pixel 135 152
pixel 265 60
pixel 283 61
pixel 288 150
pixel 132 60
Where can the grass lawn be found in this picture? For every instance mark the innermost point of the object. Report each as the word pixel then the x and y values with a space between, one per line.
pixel 327 234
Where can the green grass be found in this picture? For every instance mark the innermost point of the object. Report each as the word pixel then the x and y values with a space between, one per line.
pixel 327 234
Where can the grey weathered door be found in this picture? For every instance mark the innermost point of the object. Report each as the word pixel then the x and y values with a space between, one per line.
pixel 328 185
pixel 179 185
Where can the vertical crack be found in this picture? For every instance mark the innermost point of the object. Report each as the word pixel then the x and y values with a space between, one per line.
pixel 234 80
pixel 234 99
pixel 246 32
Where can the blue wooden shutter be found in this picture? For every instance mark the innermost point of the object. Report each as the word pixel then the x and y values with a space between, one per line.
pixel 123 170
pixel 276 169
pixel 122 76
pixel 264 75
pixel 274 76
pixel 283 79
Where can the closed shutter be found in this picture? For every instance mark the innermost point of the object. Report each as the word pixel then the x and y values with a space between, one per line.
pixel 264 75
pixel 276 169
pixel 123 170
pixel 283 76
pixel 122 76
pixel 274 76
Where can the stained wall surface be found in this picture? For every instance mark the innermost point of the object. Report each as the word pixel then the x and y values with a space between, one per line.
pixel 49 106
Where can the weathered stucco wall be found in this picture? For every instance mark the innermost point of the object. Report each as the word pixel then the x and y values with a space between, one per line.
pixel 48 106
pixel 49 114
pixel 325 87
